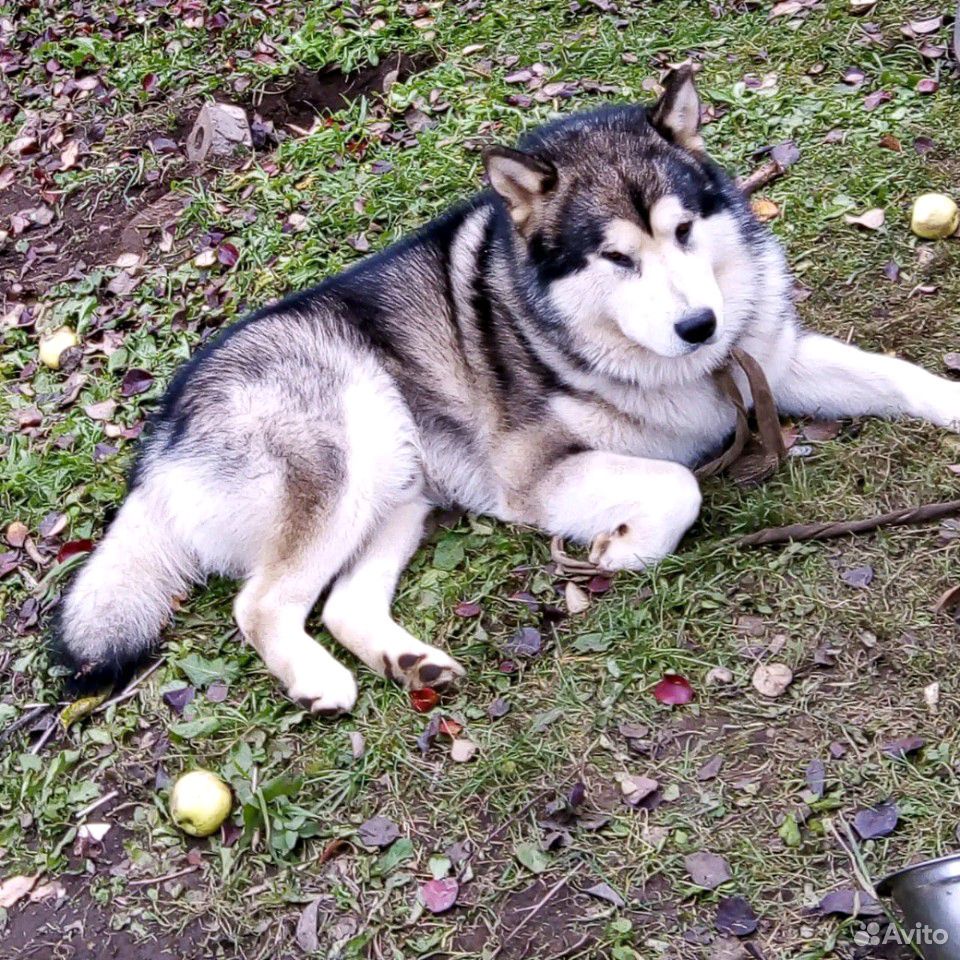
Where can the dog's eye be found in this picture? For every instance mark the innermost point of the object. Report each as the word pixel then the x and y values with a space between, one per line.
pixel 683 232
pixel 620 259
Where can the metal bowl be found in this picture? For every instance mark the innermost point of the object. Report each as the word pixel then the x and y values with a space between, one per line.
pixel 928 894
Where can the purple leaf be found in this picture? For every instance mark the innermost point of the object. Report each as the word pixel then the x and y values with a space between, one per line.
pixel 135 381
pixel 816 775
pixel 735 916
pixel 603 891
pixel 785 154
pixel 177 700
pixel 430 732
pixel 524 643
pixel 377 832
pixel 891 271
pixel 850 903
pixel 217 691
pixel 902 748
pixel 499 708
pixel 440 895
pixel 710 769
pixel 228 254
pixel 877 821
pixel 860 577
pixel 599 584
pixel 467 609
pixel 873 100
pixel 707 870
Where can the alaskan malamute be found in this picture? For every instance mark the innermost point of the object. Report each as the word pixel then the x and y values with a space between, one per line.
pixel 543 353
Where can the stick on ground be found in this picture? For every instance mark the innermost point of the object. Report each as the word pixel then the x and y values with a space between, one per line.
pixel 840 528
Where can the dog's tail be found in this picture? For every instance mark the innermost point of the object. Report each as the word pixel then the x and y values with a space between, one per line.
pixel 114 609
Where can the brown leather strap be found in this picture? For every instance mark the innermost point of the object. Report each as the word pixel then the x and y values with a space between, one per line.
pixel 770 441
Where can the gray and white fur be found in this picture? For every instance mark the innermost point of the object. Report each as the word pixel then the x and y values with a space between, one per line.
pixel 543 353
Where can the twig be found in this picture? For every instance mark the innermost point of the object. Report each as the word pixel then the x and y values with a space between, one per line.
pixel 106 798
pixel 534 910
pixel 44 737
pixel 760 177
pixel 131 687
pixel 573 948
pixel 23 720
pixel 170 876
pixel 839 528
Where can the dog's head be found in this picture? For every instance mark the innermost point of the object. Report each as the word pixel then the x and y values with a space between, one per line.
pixel 633 236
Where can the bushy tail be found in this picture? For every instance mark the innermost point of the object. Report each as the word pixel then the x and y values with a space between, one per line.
pixel 113 610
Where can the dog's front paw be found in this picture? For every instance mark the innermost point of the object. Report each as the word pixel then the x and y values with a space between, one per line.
pixel 628 547
pixel 420 665
pixel 324 687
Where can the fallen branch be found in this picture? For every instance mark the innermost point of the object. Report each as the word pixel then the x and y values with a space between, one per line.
pixel 32 714
pixel 839 528
pixel 761 177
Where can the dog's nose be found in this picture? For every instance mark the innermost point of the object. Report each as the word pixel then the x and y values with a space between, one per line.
pixel 697 327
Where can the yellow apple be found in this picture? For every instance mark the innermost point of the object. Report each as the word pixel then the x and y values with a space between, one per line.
pixel 52 346
pixel 935 216
pixel 200 802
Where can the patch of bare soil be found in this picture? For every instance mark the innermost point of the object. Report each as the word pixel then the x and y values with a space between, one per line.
pixel 305 94
pixel 75 926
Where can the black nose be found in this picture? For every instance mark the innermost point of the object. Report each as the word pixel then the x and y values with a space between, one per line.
pixel 698 326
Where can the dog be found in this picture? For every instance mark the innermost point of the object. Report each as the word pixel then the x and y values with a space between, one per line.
pixel 543 353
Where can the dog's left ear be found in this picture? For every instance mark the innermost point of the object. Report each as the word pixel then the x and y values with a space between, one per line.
pixel 676 115
pixel 521 179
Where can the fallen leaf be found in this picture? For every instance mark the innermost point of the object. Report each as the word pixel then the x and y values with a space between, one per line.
pixel 532 857
pixel 357 744
pixel 673 690
pixel 16 534
pixel 603 891
pixel 877 821
pixel 498 708
pixel 889 142
pixel 467 609
pixel 636 789
pixel 736 917
pixel 719 675
pixel 815 776
pixel 860 577
pixel 772 679
pixel 449 727
pixel 72 547
pixel 919 28
pixel 952 362
pixel 577 599
pixel 710 769
pixel 135 381
pixel 424 699
pixel 178 699
pixel 47 890
pixel 850 903
pixel 103 410
pixel 228 254
pixel 16 888
pixel 439 895
pixel 927 85
pixel 871 220
pixel 873 100
pixel 526 642
pixel 707 870
pixel 764 210
pixel 377 832
pixel 307 926
pixel 901 749
pixel 462 750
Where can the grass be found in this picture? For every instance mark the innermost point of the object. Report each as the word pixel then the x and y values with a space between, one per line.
pixel 297 781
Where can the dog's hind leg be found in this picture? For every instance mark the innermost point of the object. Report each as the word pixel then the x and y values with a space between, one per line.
pixel 357 612
pixel 271 611
pixel 632 510
pixel 828 378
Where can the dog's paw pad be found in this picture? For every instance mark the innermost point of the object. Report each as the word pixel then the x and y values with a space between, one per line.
pixel 430 668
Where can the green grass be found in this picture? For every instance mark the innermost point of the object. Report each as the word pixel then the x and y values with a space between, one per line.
pixel 297 783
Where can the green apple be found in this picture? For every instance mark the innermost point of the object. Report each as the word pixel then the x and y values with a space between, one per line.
pixel 200 802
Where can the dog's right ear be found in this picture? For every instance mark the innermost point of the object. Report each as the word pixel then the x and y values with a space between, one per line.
pixel 523 181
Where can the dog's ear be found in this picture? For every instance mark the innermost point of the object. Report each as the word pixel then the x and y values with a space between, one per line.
pixel 522 180
pixel 676 115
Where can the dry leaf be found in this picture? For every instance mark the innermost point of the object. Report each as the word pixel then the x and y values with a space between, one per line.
pixel 47 890
pixel 16 888
pixel 635 789
pixel 462 750
pixel 719 675
pixel 577 598
pixel 764 210
pixel 772 679
pixel 871 220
